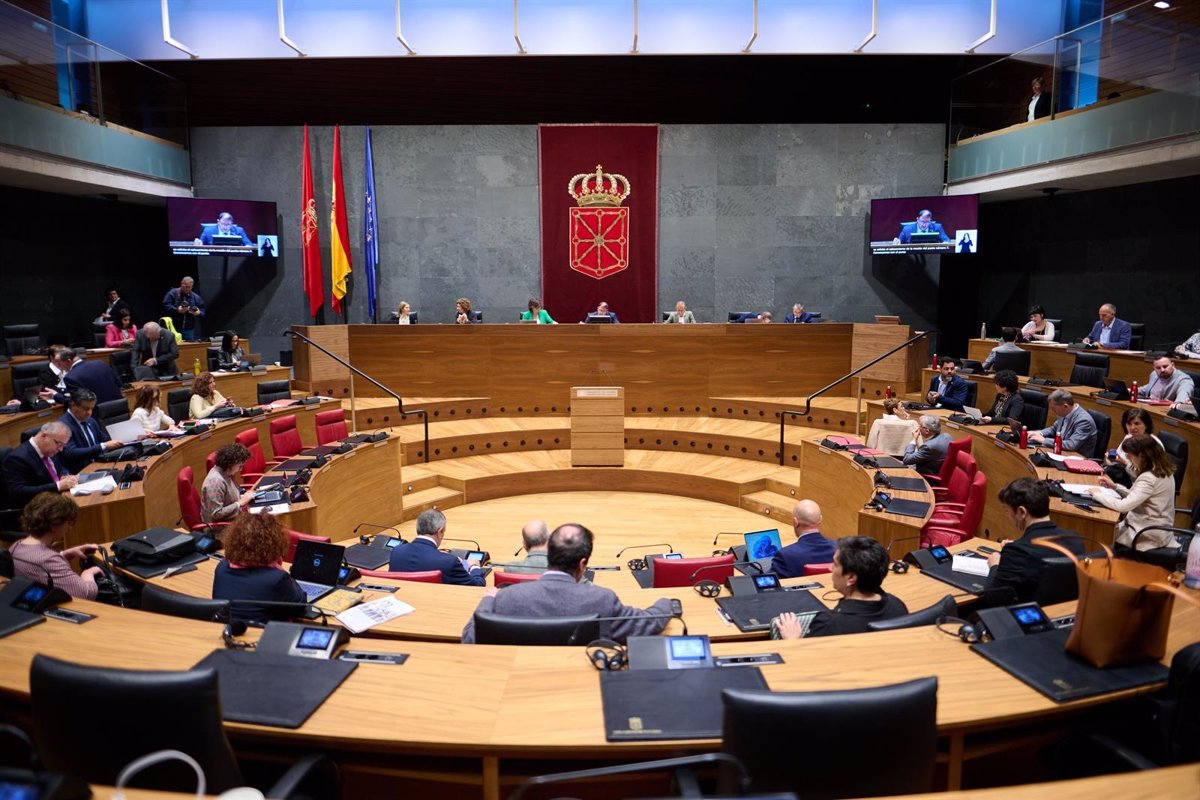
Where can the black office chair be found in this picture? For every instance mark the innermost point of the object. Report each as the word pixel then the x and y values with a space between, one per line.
pixel 99 334
pixel 946 607
pixel 214 358
pixel 10 518
pixel 1137 337
pixel 972 395
pixel 1090 369
pixel 270 391
pixel 500 629
pixel 896 724
pixel 72 703
pixel 122 363
pixel 476 316
pixel 1177 450
pixel 178 401
pixel 20 339
pixel 1169 558
pixel 736 316
pixel 163 601
pixel 112 411
pixel 1103 433
pixel 666 315
pixel 25 377
pixel 1057 582
pixel 1058 329
pixel 29 433
pixel 1017 362
pixel 816 315
pixel 1037 408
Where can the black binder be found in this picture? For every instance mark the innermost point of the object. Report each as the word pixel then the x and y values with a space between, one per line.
pixel 652 704
pixel 754 612
pixel 281 691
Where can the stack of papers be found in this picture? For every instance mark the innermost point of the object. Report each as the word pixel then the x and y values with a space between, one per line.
pixel 368 615
pixel 95 487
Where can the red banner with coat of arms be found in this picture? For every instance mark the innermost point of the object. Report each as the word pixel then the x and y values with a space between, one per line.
pixel 598 188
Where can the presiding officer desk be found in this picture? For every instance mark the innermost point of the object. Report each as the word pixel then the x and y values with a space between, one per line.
pixel 459 713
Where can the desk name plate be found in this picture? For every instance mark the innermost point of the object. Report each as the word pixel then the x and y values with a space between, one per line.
pixel 598 392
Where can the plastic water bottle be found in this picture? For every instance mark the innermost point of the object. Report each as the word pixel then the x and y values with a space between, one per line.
pixel 1192 573
pixel 1133 392
pixel 1058 444
pixel 1024 438
pixel 196 367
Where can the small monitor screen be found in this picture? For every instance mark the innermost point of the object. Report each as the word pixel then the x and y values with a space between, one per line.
pixel 204 227
pixel 940 224
pixel 392 543
pixel 766 581
pixel 314 639
pixel 762 544
pixel 673 556
pixel 1029 616
pixel 12 790
pixel 689 648
pixel 32 595
pixel 475 555
pixel 940 553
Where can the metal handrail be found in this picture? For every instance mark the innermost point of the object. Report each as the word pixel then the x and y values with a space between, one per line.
pixel 399 401
pixel 793 412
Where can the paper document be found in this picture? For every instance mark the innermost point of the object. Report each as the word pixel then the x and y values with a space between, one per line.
pixel 126 432
pixel 95 487
pixel 278 508
pixel 972 565
pixel 367 615
pixel 1088 488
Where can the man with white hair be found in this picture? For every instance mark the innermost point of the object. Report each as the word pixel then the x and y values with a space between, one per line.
pixel 810 546
pixel 1108 331
pixel 35 466
pixel 927 451
pixel 1073 423
pixel 154 352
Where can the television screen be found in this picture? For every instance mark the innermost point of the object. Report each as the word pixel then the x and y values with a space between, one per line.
pixel 204 227
pixel 925 225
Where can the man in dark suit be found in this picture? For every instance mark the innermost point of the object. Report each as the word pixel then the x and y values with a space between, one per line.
pixel 1108 331
pixel 224 227
pixel 88 437
pixel 810 546
pixel 1019 563
pixel 947 389
pixel 97 377
pixel 559 593
pixel 1039 104
pixel 35 467
pixel 602 311
pixel 154 351
pixel 750 316
pixel 924 224
pixel 799 315
pixel 422 554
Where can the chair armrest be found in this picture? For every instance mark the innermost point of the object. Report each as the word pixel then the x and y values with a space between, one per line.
pixel 311 776
pixel 1176 531
pixel 1130 758
pixel 932 480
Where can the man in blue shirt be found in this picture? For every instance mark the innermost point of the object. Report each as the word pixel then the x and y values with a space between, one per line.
pixel 422 553
pixel 185 307
pixel 1108 331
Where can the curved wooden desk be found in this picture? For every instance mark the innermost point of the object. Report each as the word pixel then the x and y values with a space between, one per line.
pixel 543 703
pixel 1057 361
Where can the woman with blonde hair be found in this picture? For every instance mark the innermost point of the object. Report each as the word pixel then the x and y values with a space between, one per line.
pixel 404 314
pixel 205 397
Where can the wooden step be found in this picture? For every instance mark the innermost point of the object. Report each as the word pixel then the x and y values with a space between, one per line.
pixel 770 504
pixel 439 497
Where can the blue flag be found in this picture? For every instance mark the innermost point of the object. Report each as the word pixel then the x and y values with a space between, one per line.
pixel 370 231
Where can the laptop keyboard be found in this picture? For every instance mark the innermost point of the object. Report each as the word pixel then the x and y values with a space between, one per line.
pixel 805 619
pixel 314 590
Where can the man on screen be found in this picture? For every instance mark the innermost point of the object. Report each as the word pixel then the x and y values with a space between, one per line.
pixel 924 224
pixel 224 227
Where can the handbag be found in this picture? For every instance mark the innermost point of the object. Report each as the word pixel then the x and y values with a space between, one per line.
pixel 1124 610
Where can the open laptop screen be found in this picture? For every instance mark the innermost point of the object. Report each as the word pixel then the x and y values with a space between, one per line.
pixel 762 544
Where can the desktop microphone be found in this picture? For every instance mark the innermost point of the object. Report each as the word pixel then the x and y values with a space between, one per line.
pixel 365 539
pixel 754 564
pixel 725 533
pixel 670 549
pixel 469 541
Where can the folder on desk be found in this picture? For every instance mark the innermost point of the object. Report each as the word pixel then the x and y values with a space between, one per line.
pixel 907 508
pixel 653 704
pixel 281 691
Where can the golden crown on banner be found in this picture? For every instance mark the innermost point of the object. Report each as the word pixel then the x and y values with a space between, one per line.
pixel 588 188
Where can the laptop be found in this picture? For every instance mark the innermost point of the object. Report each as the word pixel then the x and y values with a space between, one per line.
pixel 761 547
pixel 925 238
pixel 315 567
pixel 599 319
pixel 970 416
pixel 126 432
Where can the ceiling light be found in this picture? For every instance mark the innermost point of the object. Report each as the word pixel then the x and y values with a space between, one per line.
pixel 1162 4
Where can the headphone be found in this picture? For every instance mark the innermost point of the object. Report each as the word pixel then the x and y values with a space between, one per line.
pixel 637 565
pixel 707 588
pixel 606 655
pixel 968 633
pixel 899 567
pixel 235 627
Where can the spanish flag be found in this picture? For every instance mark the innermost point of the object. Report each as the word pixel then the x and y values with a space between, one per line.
pixel 340 239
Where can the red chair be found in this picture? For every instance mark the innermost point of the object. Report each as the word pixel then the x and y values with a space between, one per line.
pixel 670 572
pixel 210 461
pixel 189 502
pixel 962 445
pixel 948 527
pixel 818 569
pixel 294 537
pixel 430 576
pixel 258 464
pixel 960 480
pixel 285 438
pixel 331 426
pixel 505 578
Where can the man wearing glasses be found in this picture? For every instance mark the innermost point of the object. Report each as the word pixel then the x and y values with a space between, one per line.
pixel 35 466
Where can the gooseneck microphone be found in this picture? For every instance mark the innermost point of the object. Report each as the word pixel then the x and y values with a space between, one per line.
pixel 754 564
pixel 363 539
pixel 725 533
pixel 670 549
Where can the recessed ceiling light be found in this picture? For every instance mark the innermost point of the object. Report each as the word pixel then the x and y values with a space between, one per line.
pixel 1162 4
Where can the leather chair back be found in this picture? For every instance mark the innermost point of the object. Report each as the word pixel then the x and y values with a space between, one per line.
pixel 29 433
pixel 60 692
pixel 285 437
pixel 210 461
pixel 122 363
pixel 20 338
pixel 163 601
pixel 818 569
pixel 424 576
pixel 1103 434
pixel 1057 582
pixel 896 724
pixel 213 357
pixel 955 447
pixel 24 376
pixel 257 464
pixel 112 411
pixel 1137 336
pixel 1083 375
pixel 331 426
pixel 295 537
pixel 189 498
pixel 1177 450
pixel 1017 362
pixel 270 391
pixel 946 607
pixel 1058 328
pixel 505 578
pixel 679 571
pixel 177 404
pixel 554 631
pixel 1088 359
pixel 972 395
pixel 1037 408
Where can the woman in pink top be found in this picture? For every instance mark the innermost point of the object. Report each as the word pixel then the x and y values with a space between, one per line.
pixel 121 331
pixel 47 519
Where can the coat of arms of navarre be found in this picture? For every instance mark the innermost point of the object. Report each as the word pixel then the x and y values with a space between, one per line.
pixel 599 234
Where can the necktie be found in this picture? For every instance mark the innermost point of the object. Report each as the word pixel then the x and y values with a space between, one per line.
pixel 87 432
pixel 50 468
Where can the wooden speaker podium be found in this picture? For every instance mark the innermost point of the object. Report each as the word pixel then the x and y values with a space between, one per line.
pixel 597 426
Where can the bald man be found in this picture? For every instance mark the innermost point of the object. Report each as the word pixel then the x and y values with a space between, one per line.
pixel 810 546
pixel 534 535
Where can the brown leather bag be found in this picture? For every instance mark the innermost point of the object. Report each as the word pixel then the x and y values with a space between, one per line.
pixel 1124 610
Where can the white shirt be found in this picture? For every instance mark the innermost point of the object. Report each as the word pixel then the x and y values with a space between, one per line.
pixel 1032 106
pixel 152 421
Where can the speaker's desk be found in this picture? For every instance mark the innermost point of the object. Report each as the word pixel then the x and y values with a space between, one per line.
pixel 543 704
pixel 1004 463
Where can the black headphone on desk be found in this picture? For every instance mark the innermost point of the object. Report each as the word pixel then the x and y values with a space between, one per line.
pixel 606 655
pixel 968 633
pixel 707 588
pixel 233 629
pixel 899 567
pixel 637 565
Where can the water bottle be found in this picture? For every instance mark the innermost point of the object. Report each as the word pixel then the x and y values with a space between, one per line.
pixel 1024 438
pixel 196 367
pixel 1133 393
pixel 983 331
pixel 933 364
pixel 1058 444
pixel 1192 573
pixel 888 393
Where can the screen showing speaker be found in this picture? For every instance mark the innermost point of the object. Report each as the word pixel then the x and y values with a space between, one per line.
pixel 925 225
